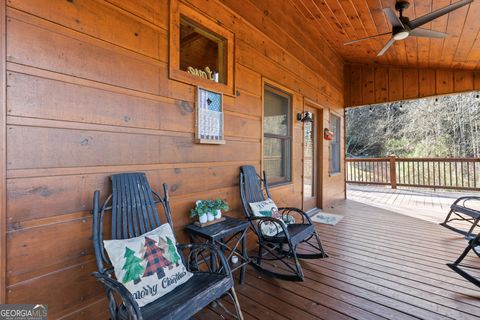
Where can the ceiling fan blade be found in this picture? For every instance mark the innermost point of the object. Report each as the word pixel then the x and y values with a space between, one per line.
pixel 366 38
pixel 385 48
pixel 420 32
pixel 393 18
pixel 437 13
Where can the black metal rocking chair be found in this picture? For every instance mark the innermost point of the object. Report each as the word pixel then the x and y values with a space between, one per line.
pixel 459 211
pixel 469 272
pixel 133 209
pixel 290 236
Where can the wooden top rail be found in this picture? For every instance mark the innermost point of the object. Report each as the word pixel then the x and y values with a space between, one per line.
pixel 413 159
pixel 367 159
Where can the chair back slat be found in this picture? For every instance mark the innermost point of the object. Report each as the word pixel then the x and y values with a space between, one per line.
pixel 253 184
pixel 134 211
pixel 251 188
pixel 141 209
pixel 154 217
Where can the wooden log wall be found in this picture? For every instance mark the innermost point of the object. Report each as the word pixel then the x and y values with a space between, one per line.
pixel 88 95
pixel 369 84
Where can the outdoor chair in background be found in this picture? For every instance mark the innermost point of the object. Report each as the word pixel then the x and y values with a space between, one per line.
pixel 461 211
pixel 278 254
pixel 467 270
pixel 134 213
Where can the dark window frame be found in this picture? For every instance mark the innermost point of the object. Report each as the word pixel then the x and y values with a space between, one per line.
pixel 283 138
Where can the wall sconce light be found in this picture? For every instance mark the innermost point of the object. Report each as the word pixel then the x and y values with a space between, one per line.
pixel 305 116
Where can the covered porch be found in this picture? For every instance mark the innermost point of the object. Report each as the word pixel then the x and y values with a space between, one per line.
pixel 186 93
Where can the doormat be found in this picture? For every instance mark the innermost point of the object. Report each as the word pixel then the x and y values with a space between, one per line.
pixel 327 218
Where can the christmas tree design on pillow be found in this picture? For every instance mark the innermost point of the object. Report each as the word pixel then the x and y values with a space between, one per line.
pixel 155 259
pixel 133 268
pixel 172 252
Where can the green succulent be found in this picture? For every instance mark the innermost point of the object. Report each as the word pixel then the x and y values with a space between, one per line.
pixel 202 207
pixel 220 204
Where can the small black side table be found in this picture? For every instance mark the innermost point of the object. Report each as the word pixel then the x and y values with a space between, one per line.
pixel 222 234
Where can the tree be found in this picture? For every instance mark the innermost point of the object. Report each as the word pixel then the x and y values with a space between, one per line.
pixel 155 259
pixel 132 267
pixel 172 252
pixel 443 126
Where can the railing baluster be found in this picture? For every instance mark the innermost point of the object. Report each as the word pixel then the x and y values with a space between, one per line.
pixel 444 174
pixel 450 171
pixel 461 169
pixel 423 172
pixel 474 175
pixel 468 173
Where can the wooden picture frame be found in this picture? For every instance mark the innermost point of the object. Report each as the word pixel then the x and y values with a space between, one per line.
pixel 209 117
pixel 208 26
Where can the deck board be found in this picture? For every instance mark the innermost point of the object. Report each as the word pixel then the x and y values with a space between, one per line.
pixel 383 264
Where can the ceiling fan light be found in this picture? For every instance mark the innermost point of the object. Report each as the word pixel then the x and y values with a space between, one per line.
pixel 401 35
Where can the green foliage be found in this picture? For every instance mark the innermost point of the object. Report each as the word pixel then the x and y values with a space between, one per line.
pixel 203 207
pixel 220 204
pixel 398 146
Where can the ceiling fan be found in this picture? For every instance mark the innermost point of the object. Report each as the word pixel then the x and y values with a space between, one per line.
pixel 402 27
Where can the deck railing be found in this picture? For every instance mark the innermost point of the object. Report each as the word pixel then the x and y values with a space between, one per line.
pixel 436 173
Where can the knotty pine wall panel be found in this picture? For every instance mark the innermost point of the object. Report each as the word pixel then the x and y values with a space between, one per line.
pixel 89 96
pixel 397 83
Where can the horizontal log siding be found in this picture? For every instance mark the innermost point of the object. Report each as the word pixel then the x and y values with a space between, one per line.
pixel 88 95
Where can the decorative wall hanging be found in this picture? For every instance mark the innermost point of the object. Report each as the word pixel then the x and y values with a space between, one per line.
pixel 209 117
pixel 327 134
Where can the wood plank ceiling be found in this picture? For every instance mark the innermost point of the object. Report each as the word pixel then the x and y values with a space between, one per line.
pixel 340 21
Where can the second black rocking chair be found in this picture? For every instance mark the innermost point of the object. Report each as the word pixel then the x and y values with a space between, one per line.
pixel 281 248
pixel 468 271
pixel 462 211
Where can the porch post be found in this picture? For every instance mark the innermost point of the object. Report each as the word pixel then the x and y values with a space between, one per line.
pixel 393 172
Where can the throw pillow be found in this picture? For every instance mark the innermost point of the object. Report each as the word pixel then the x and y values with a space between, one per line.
pixel 267 208
pixel 149 266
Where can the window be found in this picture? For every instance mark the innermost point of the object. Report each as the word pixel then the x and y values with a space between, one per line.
pixel 335 144
pixel 202 53
pixel 277 139
pixel 201 50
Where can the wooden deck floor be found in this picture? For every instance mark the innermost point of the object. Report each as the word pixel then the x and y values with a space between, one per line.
pixel 426 204
pixel 382 265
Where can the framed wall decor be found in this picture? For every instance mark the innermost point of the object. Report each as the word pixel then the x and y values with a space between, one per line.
pixel 209 126
pixel 201 50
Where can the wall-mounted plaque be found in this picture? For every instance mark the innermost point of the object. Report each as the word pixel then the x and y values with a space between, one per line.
pixel 209 117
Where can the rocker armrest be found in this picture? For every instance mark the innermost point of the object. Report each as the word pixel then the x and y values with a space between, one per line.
pixel 280 222
pixel 286 211
pixel 464 199
pixel 131 305
pixel 208 254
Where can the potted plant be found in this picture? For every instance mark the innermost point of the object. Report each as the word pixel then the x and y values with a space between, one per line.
pixel 202 210
pixel 219 205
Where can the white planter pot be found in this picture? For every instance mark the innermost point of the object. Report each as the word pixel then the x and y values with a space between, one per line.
pixel 203 218
pixel 210 217
pixel 218 214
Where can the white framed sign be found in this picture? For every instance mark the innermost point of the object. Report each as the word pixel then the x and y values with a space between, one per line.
pixel 209 117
